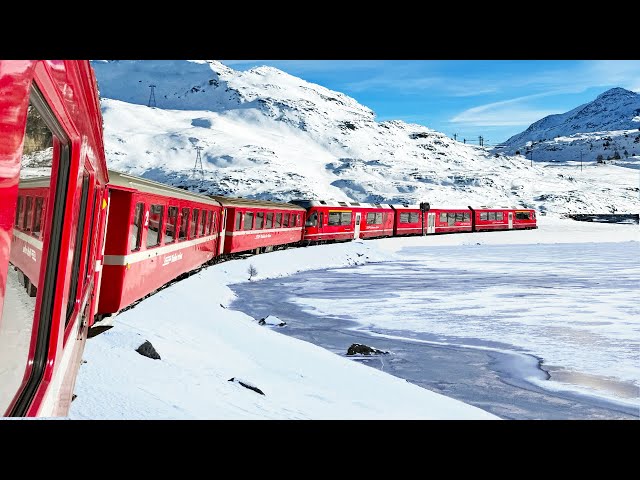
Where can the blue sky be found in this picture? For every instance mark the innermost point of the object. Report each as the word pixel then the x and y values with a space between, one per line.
pixel 492 98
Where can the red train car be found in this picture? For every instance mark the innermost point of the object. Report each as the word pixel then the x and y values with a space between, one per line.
pixel 154 234
pixel 502 218
pixel 51 127
pixel 330 220
pixel 258 225
pixel 449 220
pixel 408 220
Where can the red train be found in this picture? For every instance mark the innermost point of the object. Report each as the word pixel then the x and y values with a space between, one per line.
pixel 79 242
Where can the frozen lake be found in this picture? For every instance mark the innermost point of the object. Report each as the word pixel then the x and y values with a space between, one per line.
pixel 541 331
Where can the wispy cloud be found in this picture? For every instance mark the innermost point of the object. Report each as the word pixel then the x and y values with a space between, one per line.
pixel 510 112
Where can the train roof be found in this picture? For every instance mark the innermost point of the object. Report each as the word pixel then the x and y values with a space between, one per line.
pixel 248 202
pixel 124 180
pixel 338 204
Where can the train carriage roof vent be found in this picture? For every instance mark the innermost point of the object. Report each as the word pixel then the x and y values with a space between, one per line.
pixel 355 204
pixel 378 205
pixel 322 202
pixel 344 204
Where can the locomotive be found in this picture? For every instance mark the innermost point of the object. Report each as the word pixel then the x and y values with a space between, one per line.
pixel 79 242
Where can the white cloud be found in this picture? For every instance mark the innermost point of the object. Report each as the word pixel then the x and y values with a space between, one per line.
pixel 505 113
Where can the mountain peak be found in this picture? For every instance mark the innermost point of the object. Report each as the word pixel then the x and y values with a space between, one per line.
pixel 617 92
pixel 613 110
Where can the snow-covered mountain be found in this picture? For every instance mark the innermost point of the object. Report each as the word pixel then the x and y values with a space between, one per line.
pixel 266 134
pixel 608 128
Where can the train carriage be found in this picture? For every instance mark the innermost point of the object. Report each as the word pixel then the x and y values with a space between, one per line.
pixel 258 225
pixel 449 220
pixel 408 220
pixel 330 220
pixel 52 128
pixel 154 234
pixel 490 219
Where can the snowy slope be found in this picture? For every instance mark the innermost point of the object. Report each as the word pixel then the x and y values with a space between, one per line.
pixel 266 134
pixel 609 126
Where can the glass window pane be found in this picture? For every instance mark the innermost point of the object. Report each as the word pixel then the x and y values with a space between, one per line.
pixel 156 212
pixel 135 239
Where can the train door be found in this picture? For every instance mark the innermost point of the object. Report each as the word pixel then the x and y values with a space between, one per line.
pixel 431 223
pixel 223 229
pixel 356 230
pixel 320 223
pixel 510 220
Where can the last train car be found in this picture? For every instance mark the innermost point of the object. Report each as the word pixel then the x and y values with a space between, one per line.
pixel 53 179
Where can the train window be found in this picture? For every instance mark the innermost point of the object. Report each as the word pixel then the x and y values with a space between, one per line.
pixel 269 223
pixel 184 224
pixel 499 216
pixel 156 212
pixel 278 220
pixel 334 218
pixel 483 215
pixel 213 228
pixel 312 220
pixel 207 224
pixel 491 216
pixel 285 220
pixel 136 227
pixel 378 218
pixel 77 247
pixel 170 226
pixel 19 327
pixel 467 217
pixel 203 222
pixel 321 218
pixel 89 250
pixel 346 218
pixel 194 223
pixel 451 218
pixel 259 220
pixel 371 218
pixel 414 217
pixel 459 217
pixel 19 208
pixel 238 220
pixel 522 215
pixel 28 215
pixel 37 217
pixel 248 221
pixel 404 217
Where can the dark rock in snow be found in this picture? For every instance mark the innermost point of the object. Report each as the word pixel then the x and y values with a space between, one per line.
pixel 147 350
pixel 360 349
pixel 271 320
pixel 246 384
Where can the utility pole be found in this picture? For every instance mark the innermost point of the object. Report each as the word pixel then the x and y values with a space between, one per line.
pixel 455 136
pixel 464 140
pixel 198 163
pixel 152 97
pixel 481 140
pixel 581 160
